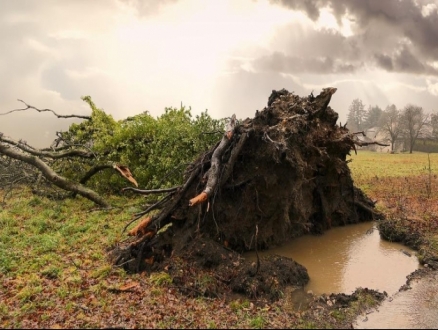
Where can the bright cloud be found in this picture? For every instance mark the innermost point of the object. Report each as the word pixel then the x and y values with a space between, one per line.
pixel 224 55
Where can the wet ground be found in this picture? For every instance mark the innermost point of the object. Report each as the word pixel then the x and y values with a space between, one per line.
pixel 414 307
pixel 345 258
pixel 348 257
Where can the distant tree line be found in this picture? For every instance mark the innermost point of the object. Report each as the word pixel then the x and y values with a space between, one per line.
pixel 407 124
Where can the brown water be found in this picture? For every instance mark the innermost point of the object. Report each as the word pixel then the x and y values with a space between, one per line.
pixel 416 308
pixel 348 257
pixel 345 258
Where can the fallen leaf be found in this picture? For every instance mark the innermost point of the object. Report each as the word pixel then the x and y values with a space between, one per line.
pixel 127 286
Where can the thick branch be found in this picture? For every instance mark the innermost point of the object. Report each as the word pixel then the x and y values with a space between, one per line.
pixel 364 144
pixel 234 153
pixel 152 191
pixel 49 154
pixel 125 172
pixel 213 173
pixel 96 169
pixel 44 110
pixel 52 176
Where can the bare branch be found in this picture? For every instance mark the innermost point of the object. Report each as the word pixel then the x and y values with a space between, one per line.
pixel 364 144
pixel 215 164
pixel 93 171
pixel 228 168
pixel 52 176
pixel 150 208
pixel 152 191
pixel 44 110
pixel 54 155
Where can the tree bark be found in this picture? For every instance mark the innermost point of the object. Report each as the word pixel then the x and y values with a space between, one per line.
pixel 213 173
pixel 52 176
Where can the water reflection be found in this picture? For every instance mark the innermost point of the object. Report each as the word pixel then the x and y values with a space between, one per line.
pixel 348 257
pixel 412 309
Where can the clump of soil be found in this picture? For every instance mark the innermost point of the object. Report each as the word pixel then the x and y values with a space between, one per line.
pixel 282 174
pixel 406 232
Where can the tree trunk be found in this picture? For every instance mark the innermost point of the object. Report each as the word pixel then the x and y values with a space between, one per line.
pixel 52 176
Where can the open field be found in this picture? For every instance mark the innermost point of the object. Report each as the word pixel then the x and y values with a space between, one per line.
pixel 406 183
pixel 368 164
pixel 54 272
pixel 405 187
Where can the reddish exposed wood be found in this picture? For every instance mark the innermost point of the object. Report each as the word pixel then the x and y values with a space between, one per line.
pixel 214 171
pixel 140 229
pixel 143 238
pixel 201 198
pixel 125 172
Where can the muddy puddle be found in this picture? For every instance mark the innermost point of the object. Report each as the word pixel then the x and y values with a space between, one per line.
pixel 415 308
pixel 348 257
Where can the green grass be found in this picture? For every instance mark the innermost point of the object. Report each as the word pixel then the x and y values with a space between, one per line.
pixel 38 235
pixel 368 164
pixel 53 263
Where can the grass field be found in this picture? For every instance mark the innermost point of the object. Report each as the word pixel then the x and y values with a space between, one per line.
pixel 405 187
pixel 380 173
pixel 54 272
pixel 368 164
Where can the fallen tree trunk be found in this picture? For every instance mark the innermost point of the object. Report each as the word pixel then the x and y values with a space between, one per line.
pixel 273 177
pixel 52 176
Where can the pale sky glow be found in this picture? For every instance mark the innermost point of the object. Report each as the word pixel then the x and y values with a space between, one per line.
pixel 222 55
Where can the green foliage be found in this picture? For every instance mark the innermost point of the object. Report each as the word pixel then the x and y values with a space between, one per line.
pixel 258 322
pixel 156 150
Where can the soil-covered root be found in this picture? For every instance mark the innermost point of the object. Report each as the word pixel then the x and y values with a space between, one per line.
pixel 271 178
pixel 212 270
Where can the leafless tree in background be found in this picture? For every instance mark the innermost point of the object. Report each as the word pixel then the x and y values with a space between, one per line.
pixel 414 121
pixel 390 124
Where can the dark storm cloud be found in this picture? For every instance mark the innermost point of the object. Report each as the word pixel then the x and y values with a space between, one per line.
pixel 392 35
pixel 280 62
pixel 384 61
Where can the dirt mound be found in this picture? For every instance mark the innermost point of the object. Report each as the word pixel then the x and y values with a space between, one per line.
pixel 271 178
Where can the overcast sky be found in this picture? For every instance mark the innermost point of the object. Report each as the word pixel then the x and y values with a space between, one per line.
pixel 222 55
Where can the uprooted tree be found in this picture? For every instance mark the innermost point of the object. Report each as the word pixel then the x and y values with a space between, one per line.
pixel 270 178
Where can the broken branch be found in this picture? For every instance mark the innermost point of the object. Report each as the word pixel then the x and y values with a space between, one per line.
pixel 54 155
pixel 214 170
pixel 52 176
pixel 44 110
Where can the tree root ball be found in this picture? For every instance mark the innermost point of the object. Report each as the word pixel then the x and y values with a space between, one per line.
pixel 283 174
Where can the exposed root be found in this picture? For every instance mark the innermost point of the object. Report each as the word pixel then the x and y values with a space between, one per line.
pixel 140 229
pixel 201 198
pixel 283 172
